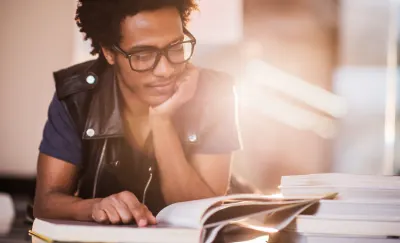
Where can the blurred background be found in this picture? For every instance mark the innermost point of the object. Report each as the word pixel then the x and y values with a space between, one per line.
pixel 316 82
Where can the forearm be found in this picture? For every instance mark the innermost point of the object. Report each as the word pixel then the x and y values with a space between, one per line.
pixel 179 180
pixel 62 206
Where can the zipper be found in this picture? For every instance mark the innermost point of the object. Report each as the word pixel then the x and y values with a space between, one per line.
pixel 147 185
pixel 96 178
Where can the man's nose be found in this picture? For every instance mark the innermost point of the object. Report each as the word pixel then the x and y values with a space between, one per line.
pixel 163 68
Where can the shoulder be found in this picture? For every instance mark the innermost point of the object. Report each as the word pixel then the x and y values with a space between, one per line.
pixel 73 89
pixel 213 75
pixel 77 78
pixel 211 115
pixel 211 79
pixel 214 85
pixel 215 97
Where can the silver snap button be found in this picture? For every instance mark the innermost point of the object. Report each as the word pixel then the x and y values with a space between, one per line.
pixel 90 79
pixel 90 132
pixel 192 138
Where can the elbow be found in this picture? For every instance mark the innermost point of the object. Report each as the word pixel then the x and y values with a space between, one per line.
pixel 40 207
pixel 38 210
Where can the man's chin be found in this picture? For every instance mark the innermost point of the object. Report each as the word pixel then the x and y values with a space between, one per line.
pixel 154 101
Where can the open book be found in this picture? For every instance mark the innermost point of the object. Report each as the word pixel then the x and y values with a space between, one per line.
pixel 192 221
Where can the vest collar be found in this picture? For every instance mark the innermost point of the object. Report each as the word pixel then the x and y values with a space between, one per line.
pixel 104 113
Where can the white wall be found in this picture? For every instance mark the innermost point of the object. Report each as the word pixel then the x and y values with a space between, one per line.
pixel 361 80
pixel 36 39
pixel 359 145
pixel 363 32
pixel 218 22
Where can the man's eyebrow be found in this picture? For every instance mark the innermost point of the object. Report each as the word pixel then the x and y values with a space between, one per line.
pixel 180 38
pixel 148 47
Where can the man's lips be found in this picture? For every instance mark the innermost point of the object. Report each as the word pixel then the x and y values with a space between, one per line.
pixel 163 84
pixel 162 87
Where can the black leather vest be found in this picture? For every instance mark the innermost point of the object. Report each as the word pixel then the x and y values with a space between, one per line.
pixel 91 97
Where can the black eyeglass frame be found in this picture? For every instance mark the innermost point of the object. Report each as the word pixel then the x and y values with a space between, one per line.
pixel 160 52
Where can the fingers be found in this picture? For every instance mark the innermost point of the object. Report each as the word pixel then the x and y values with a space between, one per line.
pixel 112 214
pixel 100 216
pixel 110 210
pixel 190 72
pixel 140 212
pixel 140 216
pixel 182 79
pixel 135 208
pixel 123 207
pixel 122 210
pixel 187 83
pixel 143 216
pixel 150 217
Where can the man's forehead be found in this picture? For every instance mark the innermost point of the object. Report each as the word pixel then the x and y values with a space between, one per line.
pixel 155 28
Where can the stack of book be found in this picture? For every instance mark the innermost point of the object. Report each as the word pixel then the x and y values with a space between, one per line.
pixel 366 209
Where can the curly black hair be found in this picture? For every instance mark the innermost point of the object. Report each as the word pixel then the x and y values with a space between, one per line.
pixel 100 20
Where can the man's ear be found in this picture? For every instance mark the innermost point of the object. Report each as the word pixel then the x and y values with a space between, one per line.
pixel 109 55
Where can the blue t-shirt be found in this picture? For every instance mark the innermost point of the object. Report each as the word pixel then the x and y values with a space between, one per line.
pixel 62 141
pixel 60 138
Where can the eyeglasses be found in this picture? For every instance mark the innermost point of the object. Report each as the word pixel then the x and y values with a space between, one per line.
pixel 147 58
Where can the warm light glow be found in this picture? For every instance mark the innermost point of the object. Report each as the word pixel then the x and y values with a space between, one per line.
pixel 281 110
pixel 259 72
pixel 261 239
pixel 279 195
pixel 263 229
pixel 259 75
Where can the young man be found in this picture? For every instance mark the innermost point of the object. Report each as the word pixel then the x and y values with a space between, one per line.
pixel 140 127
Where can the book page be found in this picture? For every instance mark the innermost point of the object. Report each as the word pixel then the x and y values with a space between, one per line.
pixel 283 211
pixel 187 214
pixel 269 221
pixel 76 231
pixel 243 208
pixel 269 216
pixel 190 213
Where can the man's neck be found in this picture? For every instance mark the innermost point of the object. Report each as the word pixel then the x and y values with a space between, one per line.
pixel 133 107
